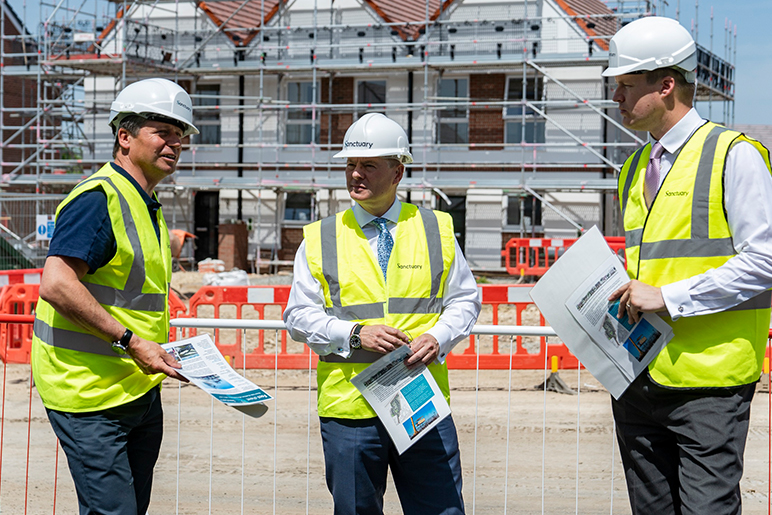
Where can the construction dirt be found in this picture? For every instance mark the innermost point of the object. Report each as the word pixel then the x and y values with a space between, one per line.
pixel 523 451
pixel 520 449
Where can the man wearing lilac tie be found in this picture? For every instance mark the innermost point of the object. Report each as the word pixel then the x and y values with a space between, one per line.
pixel 368 280
pixel 698 236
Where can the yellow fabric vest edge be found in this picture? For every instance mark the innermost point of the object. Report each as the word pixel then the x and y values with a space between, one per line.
pixel 685 233
pixel 412 282
pixel 74 370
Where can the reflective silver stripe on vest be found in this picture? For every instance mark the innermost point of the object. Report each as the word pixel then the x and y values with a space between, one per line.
pixel 629 179
pixel 701 198
pixel 356 311
pixel 72 340
pixel 131 297
pixel 434 243
pixel 357 356
pixel 633 238
pixel 761 301
pixel 403 306
pixel 397 305
pixel 140 302
pixel 716 247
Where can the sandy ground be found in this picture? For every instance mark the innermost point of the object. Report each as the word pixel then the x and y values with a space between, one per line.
pixel 520 449
pixel 523 451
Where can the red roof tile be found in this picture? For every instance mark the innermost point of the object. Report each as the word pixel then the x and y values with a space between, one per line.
pixel 600 28
pixel 403 11
pixel 249 17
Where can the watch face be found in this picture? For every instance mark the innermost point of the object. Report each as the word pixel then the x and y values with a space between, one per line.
pixel 355 341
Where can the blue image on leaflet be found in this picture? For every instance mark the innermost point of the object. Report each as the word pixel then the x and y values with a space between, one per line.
pixel 242 398
pixel 420 420
pixel 417 393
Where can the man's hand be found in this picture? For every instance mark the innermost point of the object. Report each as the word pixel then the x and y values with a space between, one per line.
pixel 636 297
pixel 151 358
pixel 382 338
pixel 425 350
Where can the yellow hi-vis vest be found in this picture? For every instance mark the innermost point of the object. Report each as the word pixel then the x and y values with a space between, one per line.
pixel 75 371
pixel 341 259
pixel 685 233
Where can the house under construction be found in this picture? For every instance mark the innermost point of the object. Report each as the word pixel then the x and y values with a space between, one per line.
pixel 512 127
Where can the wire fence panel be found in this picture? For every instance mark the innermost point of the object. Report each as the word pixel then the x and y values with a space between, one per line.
pixel 524 450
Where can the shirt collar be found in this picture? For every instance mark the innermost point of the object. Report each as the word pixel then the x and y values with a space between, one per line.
pixel 363 217
pixel 681 131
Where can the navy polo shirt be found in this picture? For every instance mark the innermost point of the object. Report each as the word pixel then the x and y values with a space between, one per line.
pixel 83 229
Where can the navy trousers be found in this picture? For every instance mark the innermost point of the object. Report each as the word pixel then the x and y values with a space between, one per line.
pixel 111 454
pixel 358 454
pixel 682 449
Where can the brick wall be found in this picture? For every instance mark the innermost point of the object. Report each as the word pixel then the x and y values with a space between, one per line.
pixel 342 93
pixel 486 124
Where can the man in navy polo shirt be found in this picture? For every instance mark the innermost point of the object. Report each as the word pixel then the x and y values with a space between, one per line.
pixel 103 309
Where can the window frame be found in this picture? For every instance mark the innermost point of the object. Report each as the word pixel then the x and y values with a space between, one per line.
pixel 454 120
pixel 289 121
pixel 358 101
pixel 532 119
pixel 207 117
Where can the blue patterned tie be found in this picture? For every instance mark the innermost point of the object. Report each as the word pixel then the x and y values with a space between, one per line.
pixel 385 244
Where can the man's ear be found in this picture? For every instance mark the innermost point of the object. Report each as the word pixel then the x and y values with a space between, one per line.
pixel 123 138
pixel 400 173
pixel 667 86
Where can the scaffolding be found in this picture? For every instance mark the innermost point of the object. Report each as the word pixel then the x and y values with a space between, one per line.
pixel 557 134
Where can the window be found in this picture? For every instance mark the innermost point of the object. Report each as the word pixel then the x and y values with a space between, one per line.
pixel 531 211
pixel 534 125
pixel 453 120
pixel 207 118
pixel 370 92
pixel 300 117
pixel 298 207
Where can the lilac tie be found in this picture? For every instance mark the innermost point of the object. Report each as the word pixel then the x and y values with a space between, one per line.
pixel 651 182
pixel 385 244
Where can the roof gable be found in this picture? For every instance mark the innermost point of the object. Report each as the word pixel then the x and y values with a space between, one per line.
pixel 248 18
pixel 600 27
pixel 404 11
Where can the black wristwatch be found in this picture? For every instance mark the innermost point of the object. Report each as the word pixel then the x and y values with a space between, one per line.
pixel 354 341
pixel 122 345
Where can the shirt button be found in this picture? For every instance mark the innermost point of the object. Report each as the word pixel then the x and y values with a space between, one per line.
pixel 680 309
pixel 442 355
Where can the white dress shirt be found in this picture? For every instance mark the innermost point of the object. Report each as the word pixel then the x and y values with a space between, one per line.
pixel 308 322
pixel 748 204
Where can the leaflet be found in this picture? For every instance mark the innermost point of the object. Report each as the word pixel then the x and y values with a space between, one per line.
pixel 630 346
pixel 573 297
pixel 203 364
pixel 407 400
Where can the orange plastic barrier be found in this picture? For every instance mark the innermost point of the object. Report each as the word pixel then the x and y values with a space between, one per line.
pixel 498 297
pixel 21 299
pixel 234 302
pixel 16 339
pixel 534 256
pixel 26 276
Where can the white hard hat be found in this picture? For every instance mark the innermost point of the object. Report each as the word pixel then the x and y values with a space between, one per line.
pixel 374 135
pixel 651 43
pixel 160 97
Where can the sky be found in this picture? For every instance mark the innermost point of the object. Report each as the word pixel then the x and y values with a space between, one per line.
pixel 753 61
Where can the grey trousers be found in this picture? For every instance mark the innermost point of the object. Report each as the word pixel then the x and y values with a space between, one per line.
pixel 682 449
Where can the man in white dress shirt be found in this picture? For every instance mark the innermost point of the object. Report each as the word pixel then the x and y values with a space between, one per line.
pixel 368 280
pixel 698 230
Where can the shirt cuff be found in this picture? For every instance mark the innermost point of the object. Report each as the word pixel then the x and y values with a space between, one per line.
pixel 442 335
pixel 340 331
pixel 677 299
